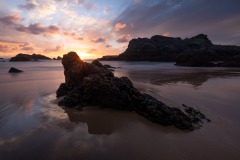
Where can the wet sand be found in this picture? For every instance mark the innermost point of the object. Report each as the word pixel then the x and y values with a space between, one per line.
pixel 32 126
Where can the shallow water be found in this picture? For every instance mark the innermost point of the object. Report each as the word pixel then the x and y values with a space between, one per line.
pixel 32 126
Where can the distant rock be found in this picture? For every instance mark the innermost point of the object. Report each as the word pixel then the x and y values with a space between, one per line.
pixel 197 51
pixel 95 85
pixel 27 57
pixel 58 58
pixel 2 60
pixel 99 64
pixel 14 70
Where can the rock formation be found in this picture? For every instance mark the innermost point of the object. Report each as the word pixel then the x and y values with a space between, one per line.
pixel 93 84
pixel 196 51
pixel 27 57
pixel 14 70
pixel 58 58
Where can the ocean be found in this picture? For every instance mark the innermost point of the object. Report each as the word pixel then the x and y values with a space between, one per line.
pixel 33 126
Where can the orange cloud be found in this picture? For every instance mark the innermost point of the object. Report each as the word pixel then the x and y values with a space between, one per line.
pixel 119 26
pixel 4 48
pixel 56 49
pixel 73 35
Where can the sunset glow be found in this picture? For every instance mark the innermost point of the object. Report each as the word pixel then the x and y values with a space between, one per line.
pixel 96 28
pixel 85 55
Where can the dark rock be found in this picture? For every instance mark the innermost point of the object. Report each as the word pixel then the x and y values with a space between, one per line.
pixel 59 58
pixel 97 63
pixel 110 58
pixel 62 90
pixel 2 60
pixel 232 62
pixel 108 66
pixel 194 60
pixel 14 70
pixel 185 52
pixel 92 84
pixel 27 57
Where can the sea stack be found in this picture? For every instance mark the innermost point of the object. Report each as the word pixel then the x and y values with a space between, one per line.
pixel 88 84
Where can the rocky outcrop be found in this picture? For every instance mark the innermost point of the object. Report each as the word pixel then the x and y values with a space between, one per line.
pixel 58 58
pixel 27 57
pixel 14 70
pixel 93 84
pixel 196 51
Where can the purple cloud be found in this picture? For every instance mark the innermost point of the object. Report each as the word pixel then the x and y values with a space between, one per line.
pixel 11 19
pixel 38 28
pixel 124 38
pixel 99 40
pixel 28 6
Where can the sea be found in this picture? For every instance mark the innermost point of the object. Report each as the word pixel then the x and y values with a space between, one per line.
pixel 33 126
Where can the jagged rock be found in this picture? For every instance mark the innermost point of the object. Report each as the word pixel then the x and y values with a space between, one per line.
pixel 161 48
pixel 14 70
pixel 92 84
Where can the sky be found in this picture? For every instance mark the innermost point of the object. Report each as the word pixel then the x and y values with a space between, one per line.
pixel 94 28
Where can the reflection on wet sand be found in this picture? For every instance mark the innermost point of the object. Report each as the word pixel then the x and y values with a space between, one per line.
pixel 194 78
pixel 101 121
pixel 32 126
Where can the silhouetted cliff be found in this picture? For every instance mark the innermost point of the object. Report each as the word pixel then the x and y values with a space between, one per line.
pixel 195 51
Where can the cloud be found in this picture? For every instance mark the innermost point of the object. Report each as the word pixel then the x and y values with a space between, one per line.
pixel 119 26
pixel 106 9
pixel 56 49
pixel 28 6
pixel 98 40
pixel 92 50
pixel 23 44
pixel 11 19
pixel 27 48
pixel 9 46
pixel 73 35
pixel 86 4
pixel 183 18
pixel 4 48
pixel 37 29
pixel 124 38
pixel 108 46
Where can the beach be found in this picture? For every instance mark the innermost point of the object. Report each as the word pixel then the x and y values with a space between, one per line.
pixel 33 126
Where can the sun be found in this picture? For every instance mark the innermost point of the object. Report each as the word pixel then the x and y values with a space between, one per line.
pixel 83 55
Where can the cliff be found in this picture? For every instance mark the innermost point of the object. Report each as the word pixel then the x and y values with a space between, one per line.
pixel 195 51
